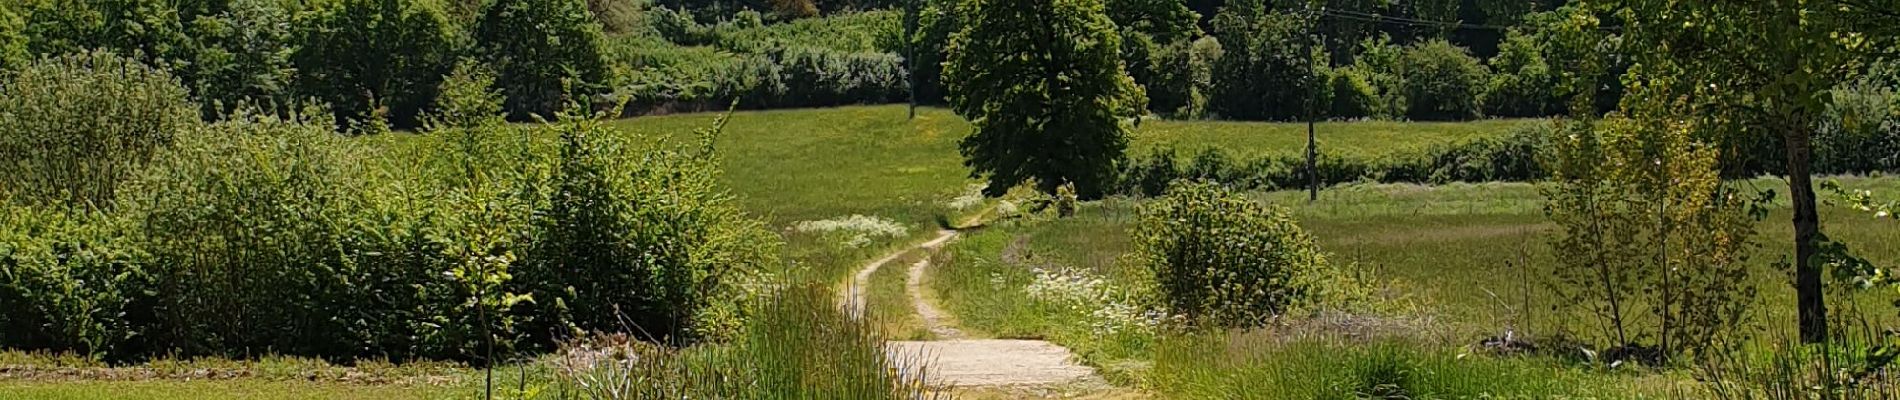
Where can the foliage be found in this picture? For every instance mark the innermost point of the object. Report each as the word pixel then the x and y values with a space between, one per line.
pixel 146 30
pixel 1183 77
pixel 1442 82
pixel 543 51
pixel 816 78
pixel 73 127
pixel 1859 132
pixel 238 216
pixel 241 56
pixel 1522 84
pixel 1254 365
pixel 1220 259
pixel 12 38
pixel 468 99
pixel 1383 64
pixel 70 280
pixel 1043 86
pixel 1759 70
pixel 370 58
pixel 1511 157
pixel 1267 68
pixel 642 240
pixel 802 346
pixel 1652 241
pixel 1352 95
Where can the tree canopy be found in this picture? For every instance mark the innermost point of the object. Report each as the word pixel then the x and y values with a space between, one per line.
pixel 1043 84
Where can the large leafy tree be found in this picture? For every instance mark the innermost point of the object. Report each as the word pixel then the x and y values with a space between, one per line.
pixel 1757 70
pixel 1264 71
pixel 373 59
pixel 538 46
pixel 1043 84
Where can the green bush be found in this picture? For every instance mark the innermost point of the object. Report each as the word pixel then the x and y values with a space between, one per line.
pixel 1221 259
pixel 373 59
pixel 244 220
pixel 242 56
pixel 1860 131
pixel 1382 63
pixel 1522 84
pixel 12 38
pixel 1512 157
pixel 642 240
pixel 73 127
pixel 816 78
pixel 1442 82
pixel 71 282
pixel 147 30
pixel 1182 77
pixel 1353 96
pixel 543 52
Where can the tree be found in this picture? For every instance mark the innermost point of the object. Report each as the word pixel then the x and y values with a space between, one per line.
pixel 1760 70
pixel 1521 83
pixel 373 58
pixel 1263 73
pixel 542 51
pixel 241 55
pixel 1442 81
pixel 1043 85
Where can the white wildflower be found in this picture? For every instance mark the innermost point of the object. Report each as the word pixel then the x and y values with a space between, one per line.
pixel 860 230
pixel 972 196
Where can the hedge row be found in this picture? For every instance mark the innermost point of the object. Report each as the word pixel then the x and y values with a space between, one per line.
pixel 260 235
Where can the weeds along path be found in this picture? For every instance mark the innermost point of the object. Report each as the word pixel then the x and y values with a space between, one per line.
pixel 952 360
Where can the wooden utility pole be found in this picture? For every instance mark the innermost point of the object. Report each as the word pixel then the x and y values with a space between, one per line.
pixel 1312 107
pixel 910 46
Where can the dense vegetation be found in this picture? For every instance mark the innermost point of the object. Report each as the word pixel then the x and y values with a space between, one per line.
pixel 266 234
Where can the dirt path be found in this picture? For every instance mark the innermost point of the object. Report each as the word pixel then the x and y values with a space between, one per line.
pixel 956 362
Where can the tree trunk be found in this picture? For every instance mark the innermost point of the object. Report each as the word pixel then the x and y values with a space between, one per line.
pixel 1807 234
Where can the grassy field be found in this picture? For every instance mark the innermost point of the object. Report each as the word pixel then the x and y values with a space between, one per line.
pixel 1448 263
pixel 793 166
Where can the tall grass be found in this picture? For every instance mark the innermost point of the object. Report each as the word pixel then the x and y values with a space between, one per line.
pixel 800 347
pixel 1265 365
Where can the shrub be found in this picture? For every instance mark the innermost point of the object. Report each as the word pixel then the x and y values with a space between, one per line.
pixel 1182 77
pixel 242 56
pixel 816 78
pixel 1522 85
pixel 542 51
pixel 70 282
pixel 468 99
pixel 1352 96
pixel 147 30
pixel 1860 131
pixel 1647 227
pixel 240 216
pixel 73 127
pixel 1264 70
pixel 1442 82
pixel 1512 157
pixel 644 238
pixel 1382 63
pixel 1220 259
pixel 12 39
pixel 370 58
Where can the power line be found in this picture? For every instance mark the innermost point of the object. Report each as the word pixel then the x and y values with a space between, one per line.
pixel 1387 19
